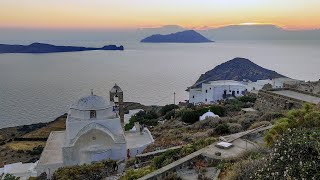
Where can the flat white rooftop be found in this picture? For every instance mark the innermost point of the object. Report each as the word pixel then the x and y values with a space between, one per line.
pixel 299 96
pixel 135 139
pixel 52 153
pixel 226 82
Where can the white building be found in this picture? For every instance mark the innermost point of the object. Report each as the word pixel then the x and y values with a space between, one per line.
pixel 213 91
pixel 93 133
pixel 24 171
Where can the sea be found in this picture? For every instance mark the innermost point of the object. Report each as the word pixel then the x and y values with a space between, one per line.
pixel 40 87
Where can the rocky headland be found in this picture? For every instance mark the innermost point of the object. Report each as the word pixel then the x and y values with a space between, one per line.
pixel 48 48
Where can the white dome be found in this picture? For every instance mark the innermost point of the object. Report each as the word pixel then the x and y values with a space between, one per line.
pixel 207 114
pixel 92 102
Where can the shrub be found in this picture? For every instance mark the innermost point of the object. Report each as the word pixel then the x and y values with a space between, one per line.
pixel 89 172
pixel 36 150
pixel 132 174
pixel 234 127
pixel 218 110
pixel 166 158
pixel 247 121
pixel 10 177
pixel 294 156
pixel 271 116
pixel 168 108
pixel 247 99
pixel 258 124
pixel 222 129
pixel 169 114
pixel 307 117
pixel 148 118
pixel 190 117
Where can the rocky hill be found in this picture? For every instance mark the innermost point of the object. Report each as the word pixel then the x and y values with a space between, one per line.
pixel 238 69
pixel 189 36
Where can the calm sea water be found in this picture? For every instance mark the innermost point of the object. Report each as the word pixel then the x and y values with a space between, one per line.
pixel 39 87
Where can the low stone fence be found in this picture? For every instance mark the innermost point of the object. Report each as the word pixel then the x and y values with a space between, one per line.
pixel 267 100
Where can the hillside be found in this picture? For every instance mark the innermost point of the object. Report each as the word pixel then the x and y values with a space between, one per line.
pixel 238 69
pixel 189 36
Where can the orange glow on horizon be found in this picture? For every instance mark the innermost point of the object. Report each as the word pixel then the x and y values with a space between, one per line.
pixel 128 14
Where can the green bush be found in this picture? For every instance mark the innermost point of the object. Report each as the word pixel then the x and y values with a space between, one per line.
pixel 10 177
pixel 133 174
pixel 168 108
pixel 36 150
pixel 294 156
pixel 218 110
pixel 89 172
pixel 307 117
pixel 222 129
pixel 170 114
pixel 148 118
pixel 166 158
pixel 247 99
pixel 190 116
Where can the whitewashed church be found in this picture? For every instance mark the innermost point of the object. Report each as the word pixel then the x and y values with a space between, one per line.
pixel 94 132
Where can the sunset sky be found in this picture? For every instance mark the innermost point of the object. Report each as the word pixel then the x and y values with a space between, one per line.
pixel 103 14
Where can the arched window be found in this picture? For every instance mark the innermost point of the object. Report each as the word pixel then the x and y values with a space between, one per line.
pixel 93 114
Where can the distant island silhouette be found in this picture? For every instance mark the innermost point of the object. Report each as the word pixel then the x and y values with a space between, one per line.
pixel 48 48
pixel 188 36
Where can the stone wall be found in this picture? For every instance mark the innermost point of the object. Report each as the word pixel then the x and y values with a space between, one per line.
pixel 311 87
pixel 269 101
pixel 184 165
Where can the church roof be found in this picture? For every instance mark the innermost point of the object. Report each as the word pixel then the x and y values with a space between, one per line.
pixel 91 102
pixel 116 89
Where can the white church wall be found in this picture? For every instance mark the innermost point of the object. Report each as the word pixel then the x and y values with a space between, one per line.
pixel 195 96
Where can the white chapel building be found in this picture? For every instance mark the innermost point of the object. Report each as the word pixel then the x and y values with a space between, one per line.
pixel 94 132
pixel 213 91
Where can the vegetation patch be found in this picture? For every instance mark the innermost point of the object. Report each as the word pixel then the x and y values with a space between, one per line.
pixel 132 174
pixel 94 171
pixel 148 118
pixel 25 145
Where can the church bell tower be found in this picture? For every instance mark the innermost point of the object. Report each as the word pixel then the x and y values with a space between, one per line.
pixel 116 96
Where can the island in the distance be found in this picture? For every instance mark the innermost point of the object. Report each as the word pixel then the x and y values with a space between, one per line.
pixel 48 48
pixel 188 36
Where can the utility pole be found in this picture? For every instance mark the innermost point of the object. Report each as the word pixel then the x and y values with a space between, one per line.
pixel 174 104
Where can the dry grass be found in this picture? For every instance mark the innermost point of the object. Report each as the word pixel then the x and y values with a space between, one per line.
pixel 24 145
pixel 44 132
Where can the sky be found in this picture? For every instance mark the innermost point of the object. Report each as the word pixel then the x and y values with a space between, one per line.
pixel 126 14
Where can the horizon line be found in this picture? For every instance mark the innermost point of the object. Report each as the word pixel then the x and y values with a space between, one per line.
pixel 204 27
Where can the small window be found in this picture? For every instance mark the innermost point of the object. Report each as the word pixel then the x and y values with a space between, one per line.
pixel 206 91
pixel 206 100
pixel 193 97
pixel 93 114
pixel 210 88
pixel 237 92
